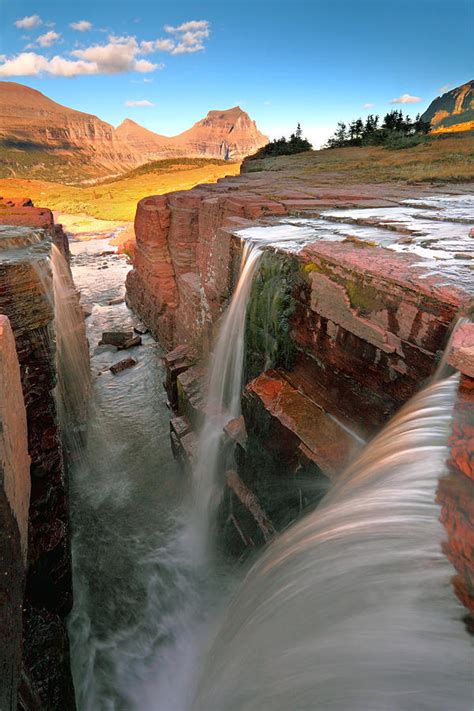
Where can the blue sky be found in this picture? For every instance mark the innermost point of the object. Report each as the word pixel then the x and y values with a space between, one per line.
pixel 313 61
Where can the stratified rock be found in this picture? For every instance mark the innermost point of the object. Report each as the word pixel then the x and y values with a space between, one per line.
pixel 461 354
pixel 115 302
pixel 26 297
pixel 122 365
pixel 244 523
pixel 176 362
pixel 190 390
pixel 294 428
pixel 14 504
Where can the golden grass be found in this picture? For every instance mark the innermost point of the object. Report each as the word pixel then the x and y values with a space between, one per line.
pixel 446 159
pixel 115 200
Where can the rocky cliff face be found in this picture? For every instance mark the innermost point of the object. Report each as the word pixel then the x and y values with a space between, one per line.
pixel 452 111
pixel 14 505
pixel 361 327
pixel 26 297
pixel 32 127
pixel 29 121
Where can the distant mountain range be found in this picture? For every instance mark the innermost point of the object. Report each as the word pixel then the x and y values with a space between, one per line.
pixel 40 138
pixel 452 111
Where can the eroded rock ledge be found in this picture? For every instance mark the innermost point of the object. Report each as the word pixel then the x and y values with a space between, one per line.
pixel 361 329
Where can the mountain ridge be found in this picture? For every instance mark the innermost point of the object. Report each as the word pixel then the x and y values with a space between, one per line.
pixel 35 130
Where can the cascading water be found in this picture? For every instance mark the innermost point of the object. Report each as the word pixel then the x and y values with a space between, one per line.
pixel 352 607
pixel 223 398
pixel 72 354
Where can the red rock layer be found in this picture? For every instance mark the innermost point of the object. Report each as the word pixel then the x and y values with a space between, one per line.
pixel 26 298
pixel 456 491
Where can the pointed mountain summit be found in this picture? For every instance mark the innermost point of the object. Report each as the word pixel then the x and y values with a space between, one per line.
pixel 229 134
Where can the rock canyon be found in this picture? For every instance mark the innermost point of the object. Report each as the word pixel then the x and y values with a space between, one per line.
pixel 236 457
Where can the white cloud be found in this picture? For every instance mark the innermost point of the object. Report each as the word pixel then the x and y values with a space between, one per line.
pixel 147 47
pixel 140 102
pixel 406 99
pixel 81 25
pixel 368 105
pixel 28 64
pixel 164 45
pixel 443 89
pixel 48 39
pixel 118 56
pixel 27 23
pixel 188 37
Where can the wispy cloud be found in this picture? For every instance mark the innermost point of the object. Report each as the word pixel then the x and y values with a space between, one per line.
pixel 406 99
pixel 368 106
pixel 81 25
pixel 188 37
pixel 443 89
pixel 139 102
pixel 48 39
pixel 28 22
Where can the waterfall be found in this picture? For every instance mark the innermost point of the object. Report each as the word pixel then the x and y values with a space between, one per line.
pixel 351 608
pixel 222 399
pixel 72 354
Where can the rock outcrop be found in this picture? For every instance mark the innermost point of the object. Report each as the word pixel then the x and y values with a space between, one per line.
pixel 359 328
pixel 26 298
pixel 452 111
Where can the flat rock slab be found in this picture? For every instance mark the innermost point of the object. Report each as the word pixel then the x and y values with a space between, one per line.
pixel 298 419
pixel 115 338
pixel 122 365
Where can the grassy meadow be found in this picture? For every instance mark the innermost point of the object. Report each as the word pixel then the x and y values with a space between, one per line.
pixel 448 158
pixel 116 199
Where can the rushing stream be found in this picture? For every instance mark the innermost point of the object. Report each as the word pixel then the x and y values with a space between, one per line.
pixel 349 610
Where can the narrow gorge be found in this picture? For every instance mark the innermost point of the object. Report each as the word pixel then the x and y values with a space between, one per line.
pixel 239 473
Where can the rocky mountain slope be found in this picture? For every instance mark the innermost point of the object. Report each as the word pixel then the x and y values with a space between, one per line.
pixel 452 111
pixel 40 138
pixel 229 135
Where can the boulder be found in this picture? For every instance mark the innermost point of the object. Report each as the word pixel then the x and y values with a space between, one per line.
pixel 122 365
pixel 115 338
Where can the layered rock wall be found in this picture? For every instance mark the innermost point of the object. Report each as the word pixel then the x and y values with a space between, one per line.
pixel 14 505
pixel 26 297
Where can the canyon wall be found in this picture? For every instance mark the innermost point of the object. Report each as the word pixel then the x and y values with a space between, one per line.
pixel 359 329
pixel 26 298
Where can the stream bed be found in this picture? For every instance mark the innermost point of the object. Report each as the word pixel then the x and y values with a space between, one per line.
pixel 138 597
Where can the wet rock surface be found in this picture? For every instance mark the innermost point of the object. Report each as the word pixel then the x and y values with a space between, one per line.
pixel 122 365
